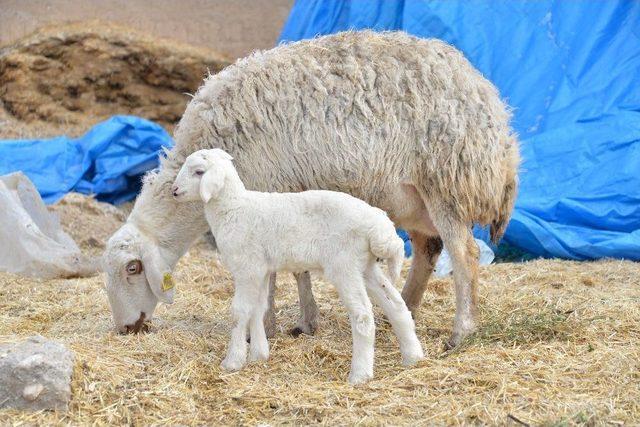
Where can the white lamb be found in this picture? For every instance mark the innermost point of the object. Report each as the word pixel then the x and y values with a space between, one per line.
pixel 260 233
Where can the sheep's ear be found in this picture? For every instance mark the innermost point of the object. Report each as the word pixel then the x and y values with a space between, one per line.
pixel 211 183
pixel 158 275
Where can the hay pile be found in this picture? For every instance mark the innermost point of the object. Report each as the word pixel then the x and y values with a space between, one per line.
pixel 559 344
pixel 83 73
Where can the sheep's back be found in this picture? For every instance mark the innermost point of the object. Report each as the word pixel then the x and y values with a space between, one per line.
pixel 359 112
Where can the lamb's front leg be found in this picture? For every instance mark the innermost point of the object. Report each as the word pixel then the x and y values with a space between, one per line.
pixel 243 306
pixel 259 346
pixel 270 316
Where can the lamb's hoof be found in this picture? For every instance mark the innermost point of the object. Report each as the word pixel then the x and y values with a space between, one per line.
pixel 258 356
pixel 232 365
pixel 359 378
pixel 307 329
pixel 412 357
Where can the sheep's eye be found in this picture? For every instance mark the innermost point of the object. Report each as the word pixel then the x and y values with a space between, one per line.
pixel 198 173
pixel 134 267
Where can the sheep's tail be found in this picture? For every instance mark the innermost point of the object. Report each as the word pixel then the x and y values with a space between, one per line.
pixel 499 225
pixel 385 244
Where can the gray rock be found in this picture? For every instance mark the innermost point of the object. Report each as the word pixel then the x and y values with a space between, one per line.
pixel 35 374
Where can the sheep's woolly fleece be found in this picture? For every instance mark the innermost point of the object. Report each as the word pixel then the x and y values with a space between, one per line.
pixel 339 113
pixel 558 344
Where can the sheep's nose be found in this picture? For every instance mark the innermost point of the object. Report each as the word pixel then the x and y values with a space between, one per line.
pixel 139 326
pixel 175 191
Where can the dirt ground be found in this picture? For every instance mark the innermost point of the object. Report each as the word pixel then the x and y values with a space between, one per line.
pixel 74 76
pixel 232 27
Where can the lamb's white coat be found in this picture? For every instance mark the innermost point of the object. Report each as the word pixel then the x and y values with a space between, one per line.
pixel 261 233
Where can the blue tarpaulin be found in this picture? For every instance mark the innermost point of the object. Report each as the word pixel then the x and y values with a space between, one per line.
pixel 107 161
pixel 571 71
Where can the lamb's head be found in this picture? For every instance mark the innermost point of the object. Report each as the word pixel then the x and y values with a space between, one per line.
pixel 137 278
pixel 202 175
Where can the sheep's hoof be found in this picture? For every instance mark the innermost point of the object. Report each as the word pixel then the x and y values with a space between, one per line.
pixel 455 340
pixel 360 378
pixel 449 345
pixel 307 328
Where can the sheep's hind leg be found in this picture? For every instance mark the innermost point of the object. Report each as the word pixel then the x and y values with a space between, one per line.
pixel 243 305
pixel 384 294
pixel 259 346
pixel 464 253
pixel 308 320
pixel 353 294
pixel 426 251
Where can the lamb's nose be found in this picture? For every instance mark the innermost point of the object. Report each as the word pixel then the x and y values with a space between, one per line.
pixel 175 191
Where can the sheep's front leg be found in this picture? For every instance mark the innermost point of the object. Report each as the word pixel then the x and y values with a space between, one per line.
pixel 308 320
pixel 426 251
pixel 243 306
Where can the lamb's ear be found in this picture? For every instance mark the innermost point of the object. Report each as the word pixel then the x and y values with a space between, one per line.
pixel 158 275
pixel 221 154
pixel 211 183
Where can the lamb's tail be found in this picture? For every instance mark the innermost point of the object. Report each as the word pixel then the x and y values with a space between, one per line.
pixel 385 244
pixel 499 225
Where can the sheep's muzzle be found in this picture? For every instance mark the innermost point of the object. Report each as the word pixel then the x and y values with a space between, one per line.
pixel 139 326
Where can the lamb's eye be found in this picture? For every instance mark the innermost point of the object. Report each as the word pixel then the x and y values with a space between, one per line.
pixel 198 173
pixel 134 267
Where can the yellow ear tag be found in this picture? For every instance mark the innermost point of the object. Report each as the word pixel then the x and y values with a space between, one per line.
pixel 167 282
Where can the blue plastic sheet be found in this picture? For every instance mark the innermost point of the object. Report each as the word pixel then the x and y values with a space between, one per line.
pixel 107 161
pixel 571 71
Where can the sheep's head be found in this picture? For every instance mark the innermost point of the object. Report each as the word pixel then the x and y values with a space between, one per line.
pixel 202 176
pixel 137 278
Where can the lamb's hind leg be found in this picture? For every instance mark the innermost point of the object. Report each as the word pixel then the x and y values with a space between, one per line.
pixel 426 251
pixel 308 320
pixel 384 294
pixel 353 294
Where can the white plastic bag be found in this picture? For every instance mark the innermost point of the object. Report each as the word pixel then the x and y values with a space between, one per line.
pixel 31 240
pixel 444 267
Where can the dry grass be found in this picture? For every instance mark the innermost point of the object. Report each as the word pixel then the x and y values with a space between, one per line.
pixel 558 345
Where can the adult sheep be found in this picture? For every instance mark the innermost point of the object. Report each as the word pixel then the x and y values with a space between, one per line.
pixel 406 124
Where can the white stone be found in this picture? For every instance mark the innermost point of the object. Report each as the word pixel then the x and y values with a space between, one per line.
pixel 31 392
pixel 35 374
